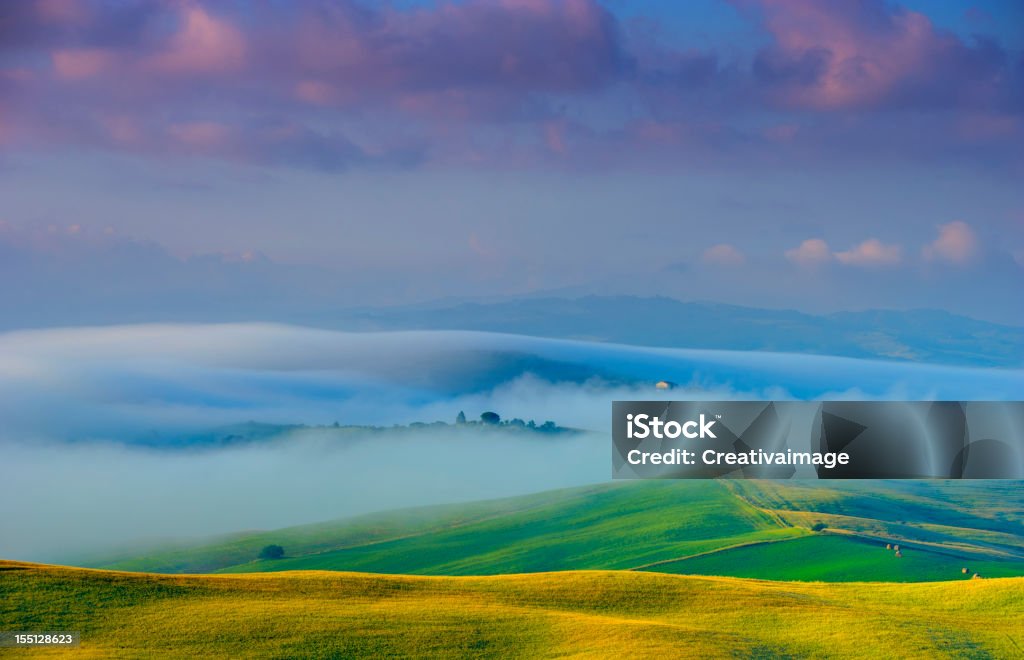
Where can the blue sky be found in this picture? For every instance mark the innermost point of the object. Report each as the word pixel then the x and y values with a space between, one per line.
pixel 798 154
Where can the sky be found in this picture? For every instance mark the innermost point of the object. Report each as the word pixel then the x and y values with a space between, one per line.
pixel 170 159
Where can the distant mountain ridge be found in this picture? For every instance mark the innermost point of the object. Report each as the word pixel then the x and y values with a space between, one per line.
pixel 915 335
pixel 912 335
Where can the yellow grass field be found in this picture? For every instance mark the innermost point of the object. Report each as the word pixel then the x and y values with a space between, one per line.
pixel 579 613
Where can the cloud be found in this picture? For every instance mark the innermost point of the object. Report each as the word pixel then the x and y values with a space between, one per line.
pixel 201 134
pixel 811 252
pixel 62 11
pixel 871 252
pixel 129 382
pixel 872 54
pixel 723 254
pixel 263 75
pixel 73 64
pixel 81 409
pixel 507 84
pixel 956 244
pixel 203 44
pixel 536 45
pixel 106 496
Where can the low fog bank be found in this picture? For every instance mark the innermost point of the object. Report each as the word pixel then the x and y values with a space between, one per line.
pixel 77 407
pixel 62 503
pixel 120 383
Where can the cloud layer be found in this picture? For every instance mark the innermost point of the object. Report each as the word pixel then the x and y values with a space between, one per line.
pixel 81 409
pixel 344 84
pixel 128 383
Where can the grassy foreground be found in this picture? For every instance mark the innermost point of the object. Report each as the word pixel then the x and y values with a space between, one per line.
pixel 592 613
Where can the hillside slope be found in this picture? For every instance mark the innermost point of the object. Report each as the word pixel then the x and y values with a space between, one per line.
pixel 751 529
pixel 603 614
pixel 616 525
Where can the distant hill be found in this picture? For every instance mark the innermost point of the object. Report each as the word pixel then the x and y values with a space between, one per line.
pixel 585 614
pixel 916 335
pixel 773 530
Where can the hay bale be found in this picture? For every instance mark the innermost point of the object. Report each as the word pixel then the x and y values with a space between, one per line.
pixel 899 554
pixel 976 576
pixel 888 546
pixel 964 570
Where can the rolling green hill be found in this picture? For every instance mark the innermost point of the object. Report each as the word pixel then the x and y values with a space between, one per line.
pixel 606 526
pixel 840 558
pixel 751 529
pixel 588 614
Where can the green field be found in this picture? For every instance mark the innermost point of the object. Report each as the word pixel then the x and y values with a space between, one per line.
pixel 805 565
pixel 606 526
pixel 745 529
pixel 836 558
pixel 590 613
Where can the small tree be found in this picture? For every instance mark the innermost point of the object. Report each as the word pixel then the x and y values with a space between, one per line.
pixel 817 527
pixel 490 417
pixel 460 418
pixel 271 552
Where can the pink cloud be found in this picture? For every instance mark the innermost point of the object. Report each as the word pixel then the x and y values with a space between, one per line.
pixel 314 92
pixel 201 134
pixel 554 137
pixel 871 252
pixel 63 11
pixel 956 244
pixel 723 254
pixel 203 44
pixel 78 63
pixel 831 55
pixel 811 252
